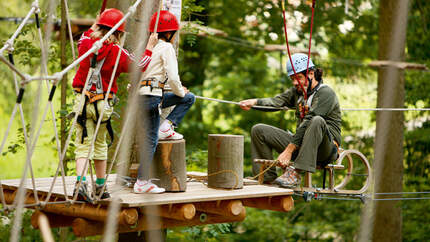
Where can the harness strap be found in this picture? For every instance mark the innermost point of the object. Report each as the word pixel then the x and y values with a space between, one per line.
pixel 82 119
pixel 93 97
pixel 153 83
pixel 107 122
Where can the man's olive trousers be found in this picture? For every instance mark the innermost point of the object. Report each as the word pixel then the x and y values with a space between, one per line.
pixel 317 146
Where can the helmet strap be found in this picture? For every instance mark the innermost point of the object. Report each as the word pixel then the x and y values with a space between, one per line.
pixel 171 36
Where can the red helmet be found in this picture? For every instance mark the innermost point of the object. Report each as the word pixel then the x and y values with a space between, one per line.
pixel 166 22
pixel 110 17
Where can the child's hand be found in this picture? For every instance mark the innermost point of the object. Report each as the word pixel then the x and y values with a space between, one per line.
pixel 153 39
pixel 94 26
pixel 186 90
pixel 128 87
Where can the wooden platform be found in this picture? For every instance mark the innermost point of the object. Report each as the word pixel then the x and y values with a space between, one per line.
pixel 196 192
pixel 197 206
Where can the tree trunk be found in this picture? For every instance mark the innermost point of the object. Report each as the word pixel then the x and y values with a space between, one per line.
pixel 63 60
pixel 225 161
pixel 388 164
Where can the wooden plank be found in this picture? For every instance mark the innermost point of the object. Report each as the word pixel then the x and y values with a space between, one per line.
pixel 196 192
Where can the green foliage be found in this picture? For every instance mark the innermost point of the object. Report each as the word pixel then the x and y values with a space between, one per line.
pixel 28 233
pixel 235 68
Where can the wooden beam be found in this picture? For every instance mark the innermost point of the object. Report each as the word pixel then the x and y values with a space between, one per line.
pixel 278 203
pixel 398 64
pixel 84 228
pixel 181 212
pixel 55 220
pixel 84 210
pixel 224 208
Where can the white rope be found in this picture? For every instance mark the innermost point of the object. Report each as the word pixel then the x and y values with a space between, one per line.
pixel 342 109
pixel 237 103
pixel 386 109
pixel 69 27
pixel 44 69
pixel 21 191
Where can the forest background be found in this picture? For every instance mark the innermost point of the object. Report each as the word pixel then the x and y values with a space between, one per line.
pixel 236 67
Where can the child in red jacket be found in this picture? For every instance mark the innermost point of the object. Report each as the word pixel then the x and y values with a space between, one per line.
pixel 96 92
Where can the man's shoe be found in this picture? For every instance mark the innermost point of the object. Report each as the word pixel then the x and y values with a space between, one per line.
pixel 290 178
pixel 169 134
pixel 147 187
pixel 83 194
pixel 105 193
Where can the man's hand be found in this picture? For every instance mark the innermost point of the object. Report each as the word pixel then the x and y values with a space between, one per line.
pixel 247 104
pixel 285 157
pixel 152 41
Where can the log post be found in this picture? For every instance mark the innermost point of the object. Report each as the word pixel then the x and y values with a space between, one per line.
pixel 224 208
pixel 172 211
pixel 225 161
pixel 169 165
pixel 55 220
pixel 278 203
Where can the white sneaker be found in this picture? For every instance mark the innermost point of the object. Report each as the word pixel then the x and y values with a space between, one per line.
pixel 169 134
pixel 146 187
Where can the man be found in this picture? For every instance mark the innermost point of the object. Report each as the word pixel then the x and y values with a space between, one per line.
pixel 318 131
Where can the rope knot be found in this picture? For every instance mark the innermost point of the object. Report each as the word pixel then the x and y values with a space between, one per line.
pixel 36 7
pixel 9 45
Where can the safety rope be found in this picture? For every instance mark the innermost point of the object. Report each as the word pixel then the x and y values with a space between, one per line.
pixel 310 42
pixel 237 103
pixel 285 108
pixel 69 28
pixel 289 53
pixel 21 191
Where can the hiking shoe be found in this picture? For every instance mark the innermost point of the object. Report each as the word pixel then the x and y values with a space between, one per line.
pixel 142 186
pixel 99 190
pixel 169 134
pixel 83 193
pixel 291 178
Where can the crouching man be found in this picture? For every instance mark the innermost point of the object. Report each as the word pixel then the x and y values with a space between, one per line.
pixel 318 132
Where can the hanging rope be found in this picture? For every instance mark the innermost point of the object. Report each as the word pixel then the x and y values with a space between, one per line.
pixel 102 9
pixel 302 112
pixel 289 53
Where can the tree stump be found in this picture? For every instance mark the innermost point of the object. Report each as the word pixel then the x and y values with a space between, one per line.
pixel 169 165
pixel 225 161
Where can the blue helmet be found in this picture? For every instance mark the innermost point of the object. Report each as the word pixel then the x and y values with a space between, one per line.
pixel 300 62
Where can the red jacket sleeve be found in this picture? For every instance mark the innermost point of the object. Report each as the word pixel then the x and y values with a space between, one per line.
pixel 127 59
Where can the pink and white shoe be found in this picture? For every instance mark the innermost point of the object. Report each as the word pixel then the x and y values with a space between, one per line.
pixel 169 134
pixel 142 186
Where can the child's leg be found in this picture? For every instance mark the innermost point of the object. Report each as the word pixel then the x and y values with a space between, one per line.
pixel 183 104
pixel 148 122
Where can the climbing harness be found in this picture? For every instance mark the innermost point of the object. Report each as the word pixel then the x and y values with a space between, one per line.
pixel 153 83
pixel 92 97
